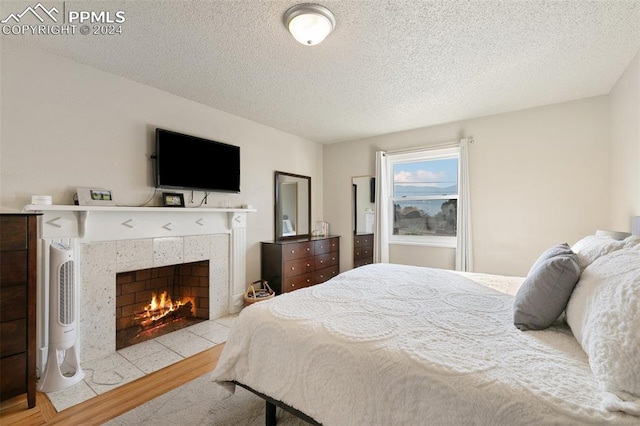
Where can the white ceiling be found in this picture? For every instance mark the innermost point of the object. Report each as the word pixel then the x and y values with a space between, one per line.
pixel 388 66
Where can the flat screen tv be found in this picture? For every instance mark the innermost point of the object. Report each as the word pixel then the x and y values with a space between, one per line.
pixel 193 163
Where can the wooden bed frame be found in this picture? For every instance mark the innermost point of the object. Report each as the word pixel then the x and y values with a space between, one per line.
pixel 271 404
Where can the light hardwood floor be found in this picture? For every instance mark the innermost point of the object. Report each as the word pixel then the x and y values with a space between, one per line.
pixel 113 403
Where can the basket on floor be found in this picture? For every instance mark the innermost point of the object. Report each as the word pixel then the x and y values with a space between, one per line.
pixel 258 291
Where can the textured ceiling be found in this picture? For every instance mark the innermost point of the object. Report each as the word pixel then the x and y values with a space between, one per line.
pixel 388 65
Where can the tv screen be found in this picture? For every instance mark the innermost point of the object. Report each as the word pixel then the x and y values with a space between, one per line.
pixel 189 162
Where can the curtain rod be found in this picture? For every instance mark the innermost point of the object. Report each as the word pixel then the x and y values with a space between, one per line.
pixel 423 148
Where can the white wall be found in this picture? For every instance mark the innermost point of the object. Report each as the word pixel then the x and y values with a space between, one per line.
pixel 65 125
pixel 625 147
pixel 538 177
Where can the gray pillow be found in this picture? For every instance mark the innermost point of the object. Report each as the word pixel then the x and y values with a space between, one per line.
pixel 545 292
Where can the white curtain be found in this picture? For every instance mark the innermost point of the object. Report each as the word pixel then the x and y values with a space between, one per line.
pixel 381 239
pixel 464 250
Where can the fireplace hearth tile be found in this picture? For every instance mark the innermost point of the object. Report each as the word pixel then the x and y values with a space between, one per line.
pixel 69 397
pixel 141 350
pixel 211 330
pixel 185 343
pixel 158 360
pixel 109 373
pixel 135 358
pixel 228 320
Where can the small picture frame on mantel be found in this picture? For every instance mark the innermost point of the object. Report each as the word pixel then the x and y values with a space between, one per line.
pixel 172 199
pixel 93 197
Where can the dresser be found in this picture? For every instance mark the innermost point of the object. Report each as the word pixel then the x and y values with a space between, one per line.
pixel 18 275
pixel 292 264
pixel 362 249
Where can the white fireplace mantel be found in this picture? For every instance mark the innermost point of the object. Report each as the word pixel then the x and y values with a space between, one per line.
pixel 90 224
pixel 108 223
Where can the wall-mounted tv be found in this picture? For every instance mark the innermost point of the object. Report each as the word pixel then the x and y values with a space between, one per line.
pixel 193 163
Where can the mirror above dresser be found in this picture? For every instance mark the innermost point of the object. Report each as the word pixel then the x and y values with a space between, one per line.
pixel 292 194
pixel 363 195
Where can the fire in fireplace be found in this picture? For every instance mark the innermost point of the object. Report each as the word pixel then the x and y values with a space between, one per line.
pixel 157 301
pixel 162 310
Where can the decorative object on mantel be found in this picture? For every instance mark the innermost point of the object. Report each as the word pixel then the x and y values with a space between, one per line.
pixel 172 199
pixel 41 200
pixel 93 197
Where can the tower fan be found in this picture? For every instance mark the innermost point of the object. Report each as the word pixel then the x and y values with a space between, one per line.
pixel 62 368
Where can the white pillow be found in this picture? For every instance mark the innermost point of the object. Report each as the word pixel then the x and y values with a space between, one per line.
pixel 632 242
pixel 592 247
pixel 616 235
pixel 604 315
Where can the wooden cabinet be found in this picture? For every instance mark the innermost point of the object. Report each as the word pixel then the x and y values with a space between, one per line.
pixel 293 264
pixel 362 249
pixel 18 266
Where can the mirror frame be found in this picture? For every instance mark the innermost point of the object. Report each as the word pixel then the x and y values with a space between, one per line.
pixel 370 185
pixel 278 179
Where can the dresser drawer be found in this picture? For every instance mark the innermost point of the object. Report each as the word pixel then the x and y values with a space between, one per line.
pixel 326 246
pixel 298 266
pixel 13 302
pixel 363 240
pixel 13 268
pixel 363 253
pixel 325 260
pixel 325 274
pixel 362 262
pixel 298 250
pixel 13 233
pixel 13 337
pixel 299 281
pixel 13 374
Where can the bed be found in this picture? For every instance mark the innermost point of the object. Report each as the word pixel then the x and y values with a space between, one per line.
pixel 389 344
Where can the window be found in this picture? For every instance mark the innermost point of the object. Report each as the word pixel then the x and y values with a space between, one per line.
pixel 424 197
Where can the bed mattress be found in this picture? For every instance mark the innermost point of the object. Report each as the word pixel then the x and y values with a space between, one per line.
pixel 393 344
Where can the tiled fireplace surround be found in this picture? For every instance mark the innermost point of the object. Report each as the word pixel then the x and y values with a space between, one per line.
pixel 109 240
pixel 102 260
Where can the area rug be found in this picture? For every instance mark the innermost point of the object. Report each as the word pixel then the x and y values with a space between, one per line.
pixel 200 403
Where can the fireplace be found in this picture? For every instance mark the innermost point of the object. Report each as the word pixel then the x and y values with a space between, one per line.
pixel 156 301
pixel 111 240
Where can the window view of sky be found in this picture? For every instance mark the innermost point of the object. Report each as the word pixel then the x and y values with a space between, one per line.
pixel 433 177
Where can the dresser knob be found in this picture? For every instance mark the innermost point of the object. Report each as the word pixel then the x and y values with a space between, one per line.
pixel 293 251
pixel 293 268
pixel 308 249
pixel 308 265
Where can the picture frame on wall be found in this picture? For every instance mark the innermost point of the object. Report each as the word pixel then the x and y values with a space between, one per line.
pixel 172 199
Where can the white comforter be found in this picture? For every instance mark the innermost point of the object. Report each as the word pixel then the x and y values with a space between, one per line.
pixel 401 345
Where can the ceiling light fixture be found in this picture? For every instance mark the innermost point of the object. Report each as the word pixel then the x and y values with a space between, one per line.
pixel 309 23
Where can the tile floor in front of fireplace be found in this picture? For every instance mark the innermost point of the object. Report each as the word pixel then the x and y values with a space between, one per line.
pixel 135 361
